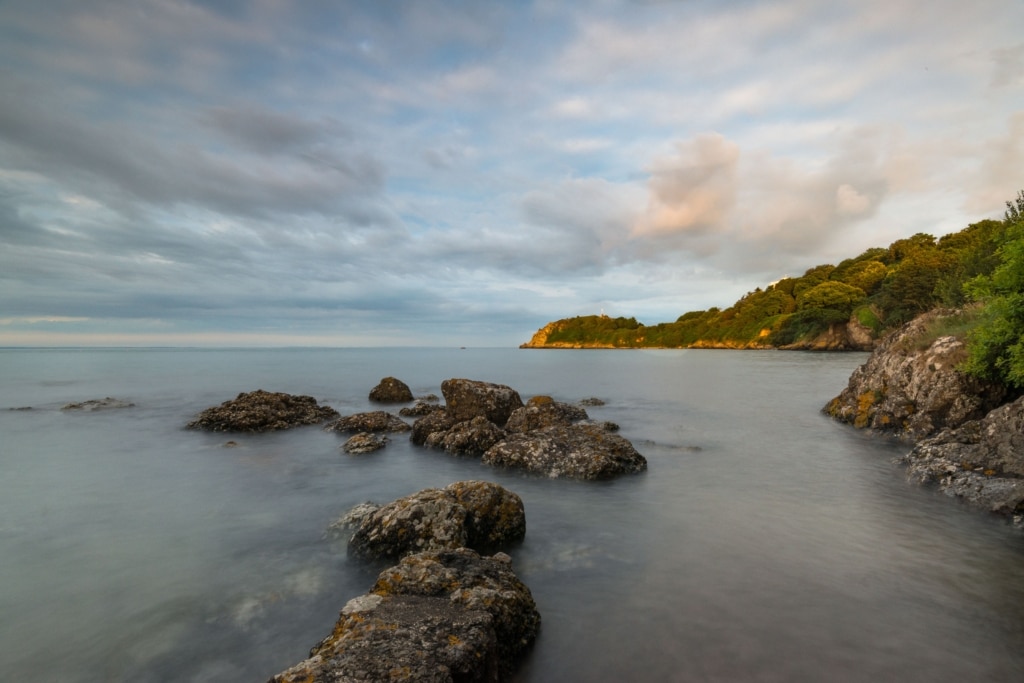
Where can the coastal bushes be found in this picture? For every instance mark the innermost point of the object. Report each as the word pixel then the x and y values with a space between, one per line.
pixel 878 291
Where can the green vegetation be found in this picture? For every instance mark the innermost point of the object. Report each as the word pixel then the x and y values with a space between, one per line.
pixel 979 269
pixel 996 345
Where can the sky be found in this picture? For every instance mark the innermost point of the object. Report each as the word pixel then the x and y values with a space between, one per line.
pixel 428 173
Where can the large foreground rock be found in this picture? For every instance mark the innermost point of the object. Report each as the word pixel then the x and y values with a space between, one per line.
pixel 467 398
pixel 262 411
pixel 474 514
pixel 436 616
pixel 981 462
pixel 579 451
pixel 911 392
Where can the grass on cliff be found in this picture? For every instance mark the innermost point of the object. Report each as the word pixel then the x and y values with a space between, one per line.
pixel 959 325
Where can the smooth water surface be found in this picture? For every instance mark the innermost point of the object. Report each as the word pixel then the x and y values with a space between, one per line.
pixel 765 543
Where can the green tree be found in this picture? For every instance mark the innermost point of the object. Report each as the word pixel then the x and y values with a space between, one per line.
pixel 996 346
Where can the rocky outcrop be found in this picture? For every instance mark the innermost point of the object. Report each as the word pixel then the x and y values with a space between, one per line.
pixel 474 514
pixel 543 437
pixel 981 462
pixel 912 392
pixel 437 616
pixel 262 411
pixel 543 411
pixel 374 421
pixel 391 390
pixel 107 403
pixel 466 399
pixel 579 451
pixel 848 336
pixel 365 442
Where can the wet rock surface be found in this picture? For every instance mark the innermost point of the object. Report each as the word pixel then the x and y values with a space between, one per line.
pixel 914 393
pixel 578 451
pixel 544 436
pixel 420 409
pixel 107 403
pixel 365 442
pixel 474 514
pixel 391 390
pixel 980 462
pixel 262 411
pixel 374 421
pixel 437 616
pixel 467 398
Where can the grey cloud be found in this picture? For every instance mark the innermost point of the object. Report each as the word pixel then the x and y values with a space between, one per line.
pixel 266 131
pixel 116 157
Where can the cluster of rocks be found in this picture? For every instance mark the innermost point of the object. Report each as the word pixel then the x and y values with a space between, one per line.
pixel 444 612
pixel 544 436
pixel 262 411
pixel 968 441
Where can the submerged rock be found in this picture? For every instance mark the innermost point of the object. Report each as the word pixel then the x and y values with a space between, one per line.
pixel 474 514
pixel 365 442
pixel 107 403
pixel 437 616
pixel 420 409
pixel 262 411
pixel 914 393
pixel 578 451
pixel 375 421
pixel 391 390
pixel 980 462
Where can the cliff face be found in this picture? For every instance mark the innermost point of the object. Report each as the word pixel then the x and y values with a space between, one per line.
pixel 913 392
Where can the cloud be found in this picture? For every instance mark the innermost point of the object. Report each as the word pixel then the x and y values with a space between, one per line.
pixel 692 191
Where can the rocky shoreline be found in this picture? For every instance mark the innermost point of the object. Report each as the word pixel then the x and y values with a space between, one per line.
pixel 966 435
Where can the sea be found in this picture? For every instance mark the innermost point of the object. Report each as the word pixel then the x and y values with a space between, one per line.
pixel 764 543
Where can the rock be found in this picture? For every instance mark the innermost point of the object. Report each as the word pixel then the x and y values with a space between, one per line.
pixel 467 399
pixel 436 616
pixel 592 402
pixel 375 421
pixel 981 462
pixel 432 423
pixel 343 527
pixel 579 451
pixel 914 393
pixel 537 414
pixel 107 403
pixel 472 437
pixel 365 442
pixel 391 390
pixel 472 514
pixel 420 409
pixel 262 411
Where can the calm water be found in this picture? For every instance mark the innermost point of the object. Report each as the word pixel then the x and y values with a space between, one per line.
pixel 766 543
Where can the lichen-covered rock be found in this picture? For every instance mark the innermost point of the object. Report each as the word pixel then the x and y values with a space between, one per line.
pixel 472 514
pixel 429 424
pixel 262 411
pixel 539 413
pixel 391 390
pixel 420 409
pixel 342 528
pixel 579 451
pixel 107 403
pixel 472 437
pixel 914 393
pixel 437 616
pixel 365 442
pixel 466 399
pixel 374 421
pixel 980 462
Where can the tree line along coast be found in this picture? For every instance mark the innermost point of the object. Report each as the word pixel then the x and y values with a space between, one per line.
pixel 978 271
